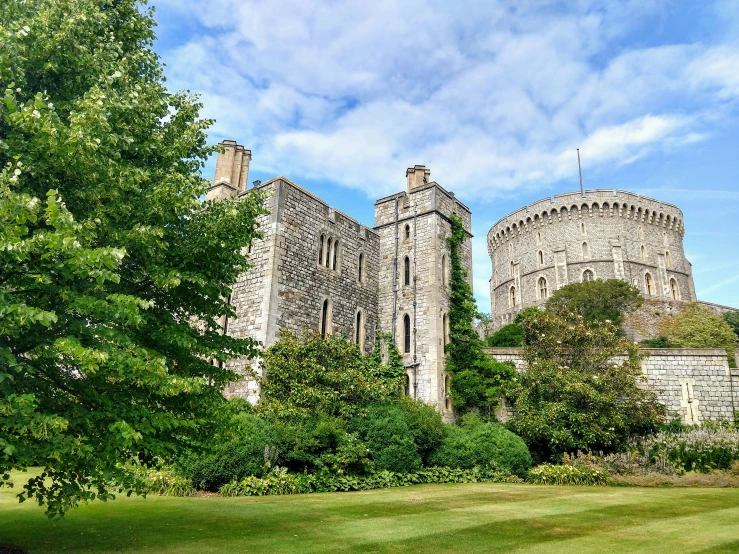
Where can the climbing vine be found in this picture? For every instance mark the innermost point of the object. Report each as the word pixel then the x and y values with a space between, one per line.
pixel 476 379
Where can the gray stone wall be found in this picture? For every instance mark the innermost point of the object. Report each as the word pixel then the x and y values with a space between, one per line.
pixel 610 234
pixel 287 286
pixel 694 384
pixel 414 225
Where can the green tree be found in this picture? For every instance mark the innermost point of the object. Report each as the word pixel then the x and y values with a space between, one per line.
pixel 598 300
pixel 580 390
pixel 108 256
pixel 476 380
pixel 510 335
pixel 732 318
pixel 697 326
pixel 309 375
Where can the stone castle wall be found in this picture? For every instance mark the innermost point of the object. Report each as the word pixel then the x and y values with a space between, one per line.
pixel 571 237
pixel 414 225
pixel 694 384
pixel 287 286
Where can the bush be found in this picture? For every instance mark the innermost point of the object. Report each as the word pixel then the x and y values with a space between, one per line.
pixel 281 482
pixel 656 342
pixel 548 474
pixel 510 335
pixel 699 449
pixel 487 445
pixel 165 482
pixel 389 438
pixel 425 425
pixel 233 460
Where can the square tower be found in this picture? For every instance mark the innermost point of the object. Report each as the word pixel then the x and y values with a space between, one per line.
pixel 415 269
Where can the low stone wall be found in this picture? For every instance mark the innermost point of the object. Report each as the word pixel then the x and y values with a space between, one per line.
pixel 694 383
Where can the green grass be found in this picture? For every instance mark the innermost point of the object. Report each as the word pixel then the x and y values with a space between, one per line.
pixel 427 518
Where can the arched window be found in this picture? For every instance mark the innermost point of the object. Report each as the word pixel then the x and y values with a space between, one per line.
pixel 444 279
pixel 360 268
pixel 325 318
pixel 643 253
pixel 582 227
pixel 674 290
pixel 320 250
pixel 538 239
pixel 649 284
pixel 407 271
pixel 541 258
pixel 336 254
pixel 587 275
pixel 445 328
pixel 512 297
pixel 542 287
pixel 407 387
pixel 641 233
pixel 511 271
pixel 407 334
pixel 585 250
pixel 407 232
pixel 359 331
pixel 668 259
pixel 328 253
pixel 447 392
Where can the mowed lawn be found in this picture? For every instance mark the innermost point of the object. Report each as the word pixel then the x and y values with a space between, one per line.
pixel 427 518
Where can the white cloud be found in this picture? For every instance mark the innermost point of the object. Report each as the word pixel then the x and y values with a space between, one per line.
pixel 494 96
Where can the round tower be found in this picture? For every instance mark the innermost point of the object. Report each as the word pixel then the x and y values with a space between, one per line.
pixel 601 234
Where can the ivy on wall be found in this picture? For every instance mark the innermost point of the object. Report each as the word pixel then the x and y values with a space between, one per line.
pixel 476 379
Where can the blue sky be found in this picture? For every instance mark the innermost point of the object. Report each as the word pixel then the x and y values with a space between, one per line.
pixel 493 96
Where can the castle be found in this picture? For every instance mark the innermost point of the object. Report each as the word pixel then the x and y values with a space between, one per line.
pixel 318 268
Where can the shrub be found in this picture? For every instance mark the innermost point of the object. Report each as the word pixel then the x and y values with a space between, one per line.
pixel 548 474
pixel 425 425
pixel 509 335
pixel 165 482
pixel 487 445
pixel 233 460
pixel 656 342
pixel 699 449
pixel 281 482
pixel 388 438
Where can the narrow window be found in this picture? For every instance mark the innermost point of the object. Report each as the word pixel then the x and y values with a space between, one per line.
pixel 407 387
pixel 541 258
pixel 328 253
pixel 538 239
pixel 587 275
pixel 585 250
pixel 336 253
pixel 407 271
pixel 324 318
pixel 542 287
pixel 649 284
pixel 406 334
pixel 641 233
pixel 643 253
pixel 675 291
pixel 447 391
pixel 512 300
pixel 511 272
pixel 443 271
pixel 320 251
pixel 582 227
pixel 668 259
pixel 361 267
pixel 358 333
pixel 407 232
pixel 445 328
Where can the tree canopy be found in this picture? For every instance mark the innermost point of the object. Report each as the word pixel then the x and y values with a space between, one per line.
pixel 598 300
pixel 108 255
pixel 697 326
pixel 580 389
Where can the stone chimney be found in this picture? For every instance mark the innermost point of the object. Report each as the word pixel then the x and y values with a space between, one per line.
pixel 417 176
pixel 232 171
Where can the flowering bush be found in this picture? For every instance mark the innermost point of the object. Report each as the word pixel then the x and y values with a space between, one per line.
pixel 702 449
pixel 548 474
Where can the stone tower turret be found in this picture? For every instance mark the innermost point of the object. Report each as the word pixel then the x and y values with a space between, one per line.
pixel 414 279
pixel 232 171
